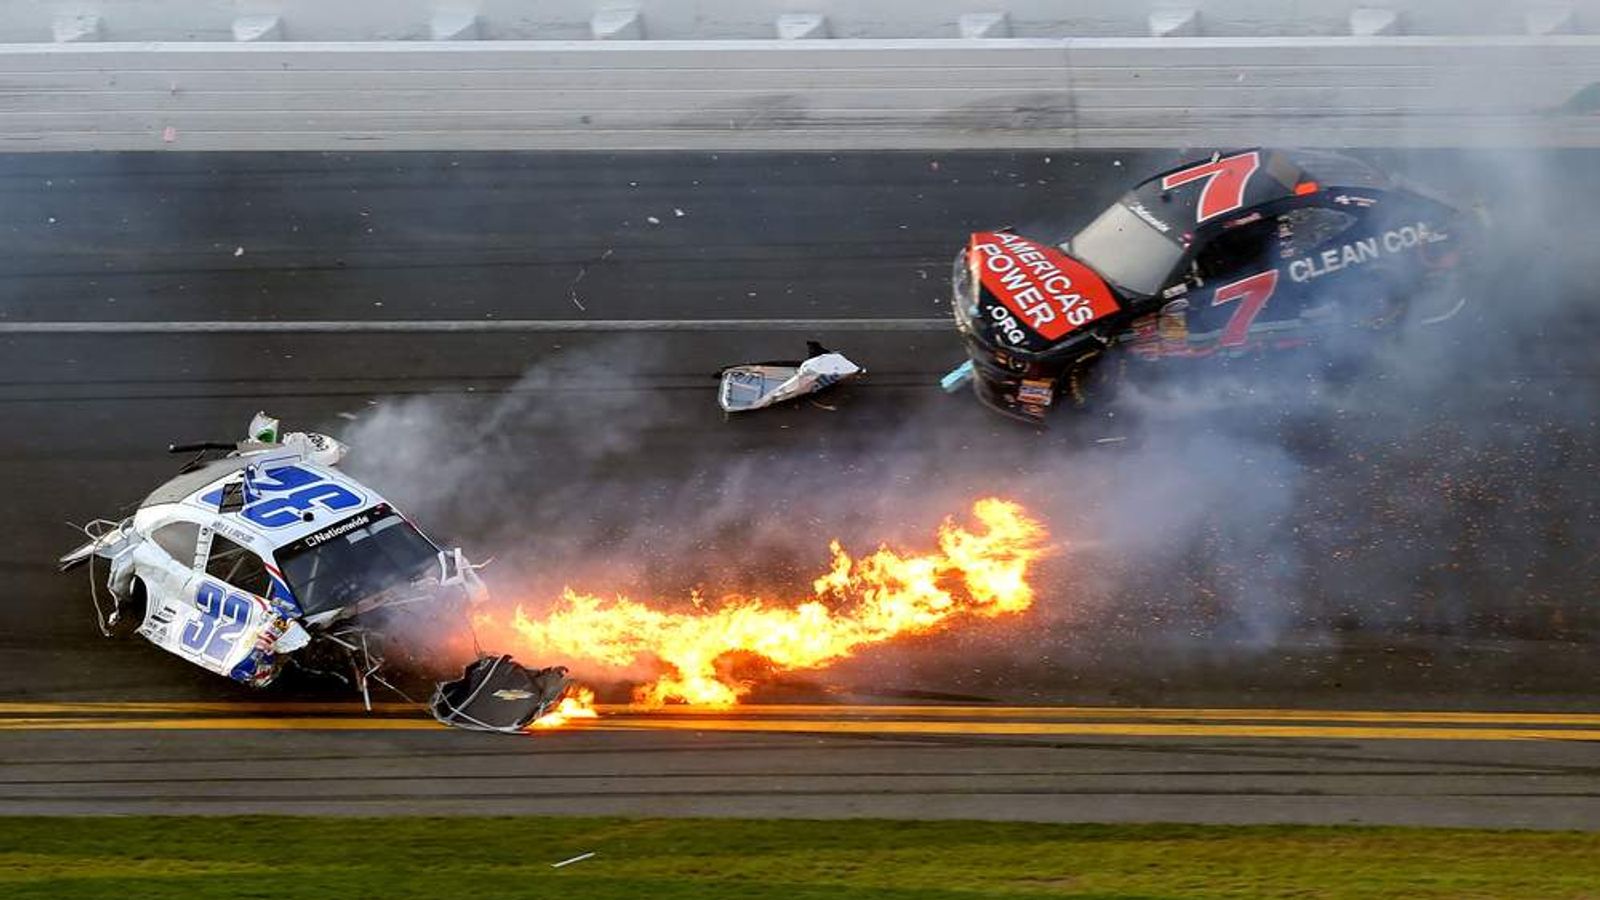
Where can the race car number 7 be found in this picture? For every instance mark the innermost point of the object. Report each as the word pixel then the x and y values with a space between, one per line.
pixel 1252 294
pixel 1225 183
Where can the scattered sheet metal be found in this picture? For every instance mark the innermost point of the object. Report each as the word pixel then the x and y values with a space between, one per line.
pixel 756 385
pixel 957 378
pixel 498 694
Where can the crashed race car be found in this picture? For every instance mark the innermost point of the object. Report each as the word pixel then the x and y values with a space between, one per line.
pixel 1247 252
pixel 270 556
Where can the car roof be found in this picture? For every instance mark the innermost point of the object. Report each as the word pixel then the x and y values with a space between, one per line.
pixel 185 484
pixel 192 491
pixel 1276 177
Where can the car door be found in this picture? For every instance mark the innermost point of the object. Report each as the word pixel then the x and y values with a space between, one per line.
pixel 228 615
pixel 1235 280
pixel 209 610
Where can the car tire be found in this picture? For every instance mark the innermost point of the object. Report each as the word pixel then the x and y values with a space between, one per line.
pixel 131 610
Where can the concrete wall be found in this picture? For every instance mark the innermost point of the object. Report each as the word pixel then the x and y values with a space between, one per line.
pixel 806 94
pixel 374 20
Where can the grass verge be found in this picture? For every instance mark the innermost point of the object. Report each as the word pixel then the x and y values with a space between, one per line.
pixel 259 856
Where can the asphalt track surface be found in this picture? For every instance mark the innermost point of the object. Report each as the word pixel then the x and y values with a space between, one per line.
pixel 301 280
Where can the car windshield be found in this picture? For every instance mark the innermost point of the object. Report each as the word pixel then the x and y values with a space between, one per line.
pixel 1126 250
pixel 341 566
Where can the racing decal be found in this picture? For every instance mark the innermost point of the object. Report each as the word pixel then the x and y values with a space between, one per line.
pixel 328 534
pixel 1040 289
pixel 226 630
pixel 1150 218
pixel 1226 179
pixel 1036 392
pixel 279 591
pixel 282 496
pixel 214 633
pixel 1361 252
pixel 1252 294
pixel 377 513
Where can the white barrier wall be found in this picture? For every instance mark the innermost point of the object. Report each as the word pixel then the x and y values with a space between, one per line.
pixel 388 20
pixel 802 95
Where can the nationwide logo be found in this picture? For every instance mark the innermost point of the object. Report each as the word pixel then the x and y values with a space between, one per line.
pixel 343 527
pixel 1041 288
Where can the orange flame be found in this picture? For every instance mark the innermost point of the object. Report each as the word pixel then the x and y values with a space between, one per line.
pixel 857 603
pixel 579 704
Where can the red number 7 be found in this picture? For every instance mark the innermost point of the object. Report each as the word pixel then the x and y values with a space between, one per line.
pixel 1253 292
pixel 1225 182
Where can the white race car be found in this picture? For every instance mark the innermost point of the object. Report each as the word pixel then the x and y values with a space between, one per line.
pixel 271 555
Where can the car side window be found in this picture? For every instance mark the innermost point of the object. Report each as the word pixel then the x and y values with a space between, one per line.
pixel 238 566
pixel 1305 229
pixel 179 540
pixel 1237 251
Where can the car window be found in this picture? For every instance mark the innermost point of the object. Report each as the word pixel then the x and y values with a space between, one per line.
pixel 1126 250
pixel 1237 251
pixel 1305 229
pixel 237 566
pixel 179 540
pixel 367 554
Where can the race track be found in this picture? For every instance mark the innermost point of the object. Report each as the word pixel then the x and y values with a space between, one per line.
pixel 604 433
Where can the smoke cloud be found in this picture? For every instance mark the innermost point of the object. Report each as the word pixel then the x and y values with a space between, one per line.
pixel 1443 488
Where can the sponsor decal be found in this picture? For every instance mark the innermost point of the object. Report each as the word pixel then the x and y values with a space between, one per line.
pixel 1149 217
pixel 509 694
pixel 1357 253
pixel 1352 200
pixel 1040 289
pixel 327 534
pixel 1038 393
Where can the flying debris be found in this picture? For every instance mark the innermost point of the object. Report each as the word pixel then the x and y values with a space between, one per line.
pixel 269 556
pixel 755 385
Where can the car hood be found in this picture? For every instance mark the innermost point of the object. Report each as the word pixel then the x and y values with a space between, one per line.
pixel 1032 296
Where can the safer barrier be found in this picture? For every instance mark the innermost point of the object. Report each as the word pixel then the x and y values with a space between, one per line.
pixel 1082 92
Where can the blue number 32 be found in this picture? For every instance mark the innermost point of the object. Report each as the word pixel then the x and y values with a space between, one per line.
pixel 208 635
pixel 294 491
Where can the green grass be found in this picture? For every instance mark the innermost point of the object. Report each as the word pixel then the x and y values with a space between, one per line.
pixel 267 857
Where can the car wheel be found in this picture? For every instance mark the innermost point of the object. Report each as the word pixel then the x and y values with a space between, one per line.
pixel 130 611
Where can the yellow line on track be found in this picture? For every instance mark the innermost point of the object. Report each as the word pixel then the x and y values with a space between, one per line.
pixel 754 711
pixel 838 726
pixel 320 723
pixel 1106 729
pixel 156 707
pixel 1125 713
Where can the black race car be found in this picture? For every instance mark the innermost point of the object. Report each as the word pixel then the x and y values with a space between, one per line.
pixel 1241 253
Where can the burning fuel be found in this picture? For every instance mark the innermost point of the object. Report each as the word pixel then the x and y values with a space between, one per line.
pixel 705 652
pixel 577 705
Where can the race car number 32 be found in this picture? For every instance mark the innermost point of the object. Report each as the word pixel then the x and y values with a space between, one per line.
pixel 215 631
pixel 280 496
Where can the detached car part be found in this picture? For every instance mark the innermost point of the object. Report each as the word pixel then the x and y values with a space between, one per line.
pixel 755 385
pixel 497 694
